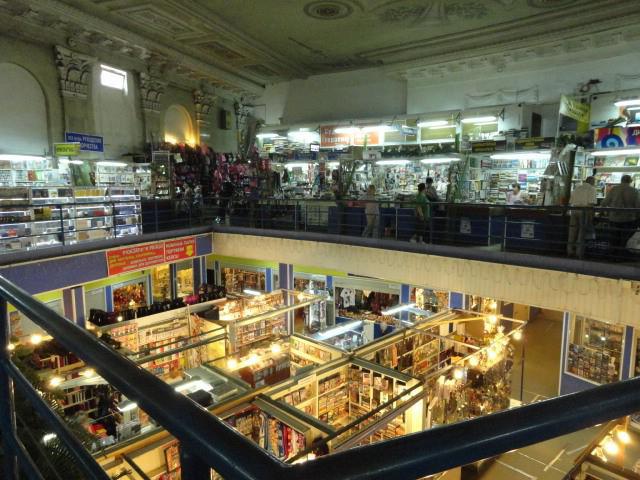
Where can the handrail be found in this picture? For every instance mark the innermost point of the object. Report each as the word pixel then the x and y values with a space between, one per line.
pixel 232 454
pixel 219 446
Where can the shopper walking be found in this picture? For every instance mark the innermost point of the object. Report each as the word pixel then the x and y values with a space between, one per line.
pixel 422 214
pixel 622 222
pixel 372 211
pixel 581 222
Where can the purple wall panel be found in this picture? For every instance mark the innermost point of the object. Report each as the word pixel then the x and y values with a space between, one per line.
pixel 204 245
pixel 61 272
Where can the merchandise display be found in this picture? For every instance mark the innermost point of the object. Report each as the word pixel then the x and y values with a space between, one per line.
pixel 36 216
pixel 595 350
pixel 236 280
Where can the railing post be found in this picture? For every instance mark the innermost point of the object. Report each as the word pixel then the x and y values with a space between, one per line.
pixel 192 467
pixel 396 229
pixel 155 213
pixel 7 407
pixel 295 216
pixel 114 219
pixel 306 216
pixel 504 230
pixel 63 233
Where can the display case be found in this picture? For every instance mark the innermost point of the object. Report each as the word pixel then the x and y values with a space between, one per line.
pixel 108 174
pixel 161 174
pixel 594 350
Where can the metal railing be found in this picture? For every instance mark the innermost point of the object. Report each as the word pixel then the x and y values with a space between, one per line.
pixel 599 234
pixel 207 442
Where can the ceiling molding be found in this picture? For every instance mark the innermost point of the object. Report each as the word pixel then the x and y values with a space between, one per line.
pixel 115 34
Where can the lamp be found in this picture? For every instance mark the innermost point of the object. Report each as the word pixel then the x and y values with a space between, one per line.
pixel 434 123
pixel 488 118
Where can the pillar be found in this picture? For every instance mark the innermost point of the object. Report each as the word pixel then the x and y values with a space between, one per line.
pixel 75 72
pixel 151 90
pixel 73 305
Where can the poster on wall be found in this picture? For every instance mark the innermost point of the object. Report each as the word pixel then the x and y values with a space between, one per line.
pixel 617 137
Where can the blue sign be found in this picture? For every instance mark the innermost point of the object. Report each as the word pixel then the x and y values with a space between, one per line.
pixel 88 143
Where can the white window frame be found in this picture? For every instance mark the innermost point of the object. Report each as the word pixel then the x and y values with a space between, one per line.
pixel 109 78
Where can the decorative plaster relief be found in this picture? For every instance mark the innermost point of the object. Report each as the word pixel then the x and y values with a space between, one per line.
pixel 203 102
pixel 74 70
pixel 151 91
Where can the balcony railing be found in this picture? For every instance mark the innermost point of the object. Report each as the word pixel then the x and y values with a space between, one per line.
pixel 206 442
pixel 596 234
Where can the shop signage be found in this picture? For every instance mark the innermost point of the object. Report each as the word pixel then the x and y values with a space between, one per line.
pixel 406 130
pixel 139 257
pixel 181 249
pixel 484 146
pixel 534 143
pixel 66 149
pixel 573 108
pixel 528 230
pixel 465 225
pixel 88 143
pixel 330 139
pixel 617 137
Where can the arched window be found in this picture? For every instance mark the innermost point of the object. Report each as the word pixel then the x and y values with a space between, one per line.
pixel 178 127
pixel 23 112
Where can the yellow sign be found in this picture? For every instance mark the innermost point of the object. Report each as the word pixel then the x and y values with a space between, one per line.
pixel 572 108
pixel 66 149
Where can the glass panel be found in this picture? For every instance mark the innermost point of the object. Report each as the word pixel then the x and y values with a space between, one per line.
pixel 184 278
pixel 161 282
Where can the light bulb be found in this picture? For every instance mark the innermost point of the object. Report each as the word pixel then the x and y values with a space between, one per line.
pixel 474 361
pixel 492 354
pixel 517 335
pixel 232 364
pixel 119 318
pixel 88 373
pixel 624 437
pixel 252 360
pixel 11 347
pixel 55 381
pixel 458 374
pixel 493 305
pixel 493 319
pixel 276 348
pixel 610 446
pixel 36 339
pixel 48 437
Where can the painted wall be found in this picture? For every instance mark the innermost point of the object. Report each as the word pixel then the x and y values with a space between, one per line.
pixel 38 61
pixel 339 96
pixel 33 120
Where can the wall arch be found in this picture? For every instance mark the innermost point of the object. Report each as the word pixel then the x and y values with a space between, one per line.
pixel 178 126
pixel 23 122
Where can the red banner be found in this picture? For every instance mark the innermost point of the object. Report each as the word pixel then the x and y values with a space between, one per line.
pixel 179 249
pixel 139 257
pixel 130 259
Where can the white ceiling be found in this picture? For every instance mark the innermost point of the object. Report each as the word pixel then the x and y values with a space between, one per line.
pixel 240 45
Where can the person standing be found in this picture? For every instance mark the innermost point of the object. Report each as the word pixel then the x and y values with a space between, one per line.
pixel 581 221
pixel 422 214
pixel 515 196
pixel 431 192
pixel 623 223
pixel 372 212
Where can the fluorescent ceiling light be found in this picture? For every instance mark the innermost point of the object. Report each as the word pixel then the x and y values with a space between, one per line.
pixel 297 165
pixel 433 123
pixel 267 135
pixel 489 118
pixel 127 406
pixel 378 128
pixel 633 109
pixel 248 291
pixel 440 127
pixel 48 437
pixel 392 162
pixel 437 160
pixel 616 151
pixel 197 384
pixel 111 164
pixel 627 103
pixel 348 130
pixel 398 309
pixel 73 162
pixel 493 122
pixel 21 158
pixel 521 156
pixel 339 330
pixel 439 140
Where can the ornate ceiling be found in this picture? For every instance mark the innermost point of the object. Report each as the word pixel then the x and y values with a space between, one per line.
pixel 241 45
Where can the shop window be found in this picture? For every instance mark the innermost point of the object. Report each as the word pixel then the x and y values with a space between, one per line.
pixel 236 280
pixel 113 78
pixel 161 281
pixel 21 326
pixel 130 295
pixel 595 350
pixel 184 278
pixel 95 300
